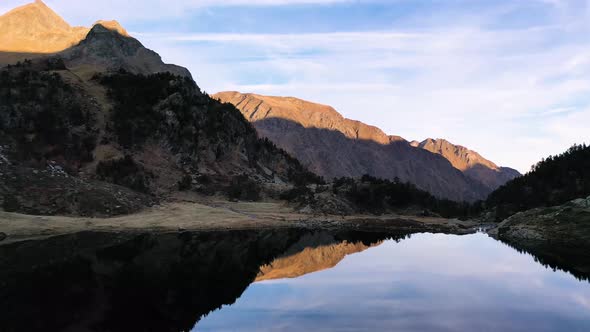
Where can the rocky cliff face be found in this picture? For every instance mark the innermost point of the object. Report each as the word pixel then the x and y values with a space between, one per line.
pixel 470 162
pixel 334 146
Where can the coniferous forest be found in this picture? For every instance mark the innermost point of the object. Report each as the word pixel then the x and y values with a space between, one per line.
pixel 552 181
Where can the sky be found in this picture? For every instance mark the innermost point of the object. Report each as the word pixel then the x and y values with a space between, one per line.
pixel 509 79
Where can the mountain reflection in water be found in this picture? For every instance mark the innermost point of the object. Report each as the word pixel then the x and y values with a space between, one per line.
pixel 141 282
pixel 234 280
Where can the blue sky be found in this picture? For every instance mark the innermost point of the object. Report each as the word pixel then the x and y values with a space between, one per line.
pixel 509 79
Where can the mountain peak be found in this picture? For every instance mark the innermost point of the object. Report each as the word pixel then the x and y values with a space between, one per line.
pixel 36 28
pixel 113 25
pixel 461 157
pixel 108 47
pixel 470 162
pixel 37 14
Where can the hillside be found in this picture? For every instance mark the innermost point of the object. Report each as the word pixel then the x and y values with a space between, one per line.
pixel 106 128
pixel 552 181
pixel 333 146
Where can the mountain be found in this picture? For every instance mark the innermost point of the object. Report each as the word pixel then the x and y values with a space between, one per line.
pixel 35 28
pixel 333 146
pixel 470 162
pixel 108 47
pixel 105 128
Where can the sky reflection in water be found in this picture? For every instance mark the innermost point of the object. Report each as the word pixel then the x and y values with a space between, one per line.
pixel 430 282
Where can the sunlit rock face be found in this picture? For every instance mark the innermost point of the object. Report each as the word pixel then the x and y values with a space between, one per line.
pixel 35 28
pixel 470 162
pixel 334 146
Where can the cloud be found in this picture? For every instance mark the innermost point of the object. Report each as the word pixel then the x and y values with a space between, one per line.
pixel 86 12
pixel 503 92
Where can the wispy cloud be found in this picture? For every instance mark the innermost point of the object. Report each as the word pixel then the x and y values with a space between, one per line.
pixel 489 89
pixel 155 9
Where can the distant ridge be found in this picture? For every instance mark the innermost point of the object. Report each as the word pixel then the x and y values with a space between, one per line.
pixel 470 162
pixel 334 146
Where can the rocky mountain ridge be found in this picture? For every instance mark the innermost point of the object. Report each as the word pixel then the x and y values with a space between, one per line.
pixel 470 162
pixel 333 146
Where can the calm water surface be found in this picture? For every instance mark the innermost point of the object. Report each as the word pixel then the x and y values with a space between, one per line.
pixel 289 280
pixel 425 283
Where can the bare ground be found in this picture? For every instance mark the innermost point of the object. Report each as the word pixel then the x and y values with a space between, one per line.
pixel 205 214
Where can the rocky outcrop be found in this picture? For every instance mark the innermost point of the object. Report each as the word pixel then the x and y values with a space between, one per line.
pixel 558 237
pixel 52 191
pixel 565 225
pixel 470 162
pixel 108 47
pixel 333 146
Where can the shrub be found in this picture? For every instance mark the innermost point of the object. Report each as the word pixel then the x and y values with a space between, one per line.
pixel 185 183
pixel 244 188
pixel 125 172
pixel 10 204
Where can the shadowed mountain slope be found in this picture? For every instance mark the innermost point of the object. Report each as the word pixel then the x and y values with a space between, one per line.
pixel 334 146
pixel 105 48
pixel 470 162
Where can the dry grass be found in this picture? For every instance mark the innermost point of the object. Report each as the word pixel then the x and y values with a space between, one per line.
pixel 207 214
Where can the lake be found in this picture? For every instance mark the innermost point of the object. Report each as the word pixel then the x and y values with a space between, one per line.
pixel 287 280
